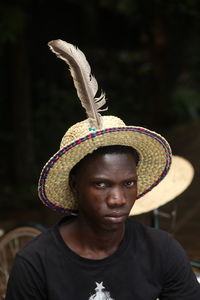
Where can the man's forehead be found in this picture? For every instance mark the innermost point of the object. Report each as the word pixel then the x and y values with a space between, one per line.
pixel 109 161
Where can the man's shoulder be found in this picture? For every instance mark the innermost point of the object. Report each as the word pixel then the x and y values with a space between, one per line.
pixel 147 230
pixel 38 246
pixel 151 237
pixel 46 244
pixel 159 245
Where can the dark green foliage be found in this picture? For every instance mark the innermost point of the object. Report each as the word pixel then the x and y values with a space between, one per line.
pixel 144 54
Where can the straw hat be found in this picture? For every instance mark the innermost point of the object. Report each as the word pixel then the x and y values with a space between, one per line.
pixel 94 132
pixel 176 181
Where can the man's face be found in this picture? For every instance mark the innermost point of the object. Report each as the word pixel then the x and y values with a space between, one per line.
pixel 106 188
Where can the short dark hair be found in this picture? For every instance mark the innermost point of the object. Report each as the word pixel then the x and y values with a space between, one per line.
pixel 114 149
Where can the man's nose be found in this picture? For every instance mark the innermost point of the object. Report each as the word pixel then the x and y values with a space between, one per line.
pixel 116 197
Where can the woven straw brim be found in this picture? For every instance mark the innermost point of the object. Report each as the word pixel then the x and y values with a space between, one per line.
pixel 155 160
pixel 176 182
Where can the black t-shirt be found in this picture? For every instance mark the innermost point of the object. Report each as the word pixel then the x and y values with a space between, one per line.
pixel 148 264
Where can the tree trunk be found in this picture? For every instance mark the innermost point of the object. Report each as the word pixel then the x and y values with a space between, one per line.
pixel 23 150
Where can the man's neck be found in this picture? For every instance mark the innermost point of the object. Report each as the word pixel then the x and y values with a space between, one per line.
pixel 91 242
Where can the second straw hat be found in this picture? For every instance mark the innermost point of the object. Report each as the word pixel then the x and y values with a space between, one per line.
pixel 175 182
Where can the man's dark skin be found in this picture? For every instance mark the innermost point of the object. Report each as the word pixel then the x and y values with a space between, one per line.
pixel 105 187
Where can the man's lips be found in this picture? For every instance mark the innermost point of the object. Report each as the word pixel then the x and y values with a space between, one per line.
pixel 115 218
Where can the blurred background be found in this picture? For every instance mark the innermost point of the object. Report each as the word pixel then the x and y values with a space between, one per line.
pixel 145 54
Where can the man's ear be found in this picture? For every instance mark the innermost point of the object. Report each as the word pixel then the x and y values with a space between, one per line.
pixel 72 184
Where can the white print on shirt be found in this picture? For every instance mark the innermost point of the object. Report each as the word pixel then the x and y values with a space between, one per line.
pixel 100 294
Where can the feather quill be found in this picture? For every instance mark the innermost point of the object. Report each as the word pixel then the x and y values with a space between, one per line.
pixel 84 82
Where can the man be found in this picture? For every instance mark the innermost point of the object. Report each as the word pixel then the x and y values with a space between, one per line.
pixel 96 251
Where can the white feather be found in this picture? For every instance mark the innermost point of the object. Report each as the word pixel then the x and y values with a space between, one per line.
pixel 85 84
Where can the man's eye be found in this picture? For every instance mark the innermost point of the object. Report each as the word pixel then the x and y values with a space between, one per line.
pixel 129 183
pixel 100 184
